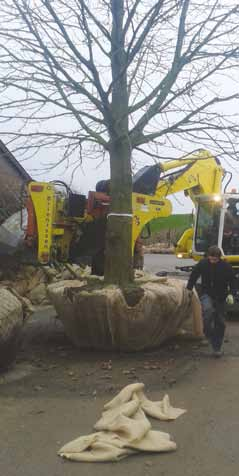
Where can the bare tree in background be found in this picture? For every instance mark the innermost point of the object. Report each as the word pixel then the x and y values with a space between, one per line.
pixel 112 77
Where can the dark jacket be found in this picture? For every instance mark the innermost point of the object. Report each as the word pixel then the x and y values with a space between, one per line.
pixel 217 279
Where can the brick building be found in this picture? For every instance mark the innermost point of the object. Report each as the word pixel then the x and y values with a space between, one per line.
pixel 12 179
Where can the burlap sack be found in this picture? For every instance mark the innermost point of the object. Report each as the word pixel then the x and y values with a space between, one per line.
pixel 103 319
pixel 124 429
pixel 11 322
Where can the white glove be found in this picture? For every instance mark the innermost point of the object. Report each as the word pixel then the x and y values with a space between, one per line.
pixel 230 299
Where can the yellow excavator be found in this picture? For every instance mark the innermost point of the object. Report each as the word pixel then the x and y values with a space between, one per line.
pixel 65 226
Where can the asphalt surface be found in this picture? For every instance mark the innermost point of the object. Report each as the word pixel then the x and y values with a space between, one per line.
pixel 159 263
pixel 55 393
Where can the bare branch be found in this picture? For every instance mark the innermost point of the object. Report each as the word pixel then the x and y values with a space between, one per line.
pixel 176 126
pixel 96 21
pixel 165 86
pixel 130 17
pixel 90 66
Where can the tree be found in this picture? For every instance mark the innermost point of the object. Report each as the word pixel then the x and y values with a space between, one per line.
pixel 117 76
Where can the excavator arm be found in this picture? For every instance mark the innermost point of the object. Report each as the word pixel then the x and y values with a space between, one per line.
pixel 197 174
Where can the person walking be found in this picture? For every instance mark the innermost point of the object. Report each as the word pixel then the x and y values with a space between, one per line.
pixel 217 287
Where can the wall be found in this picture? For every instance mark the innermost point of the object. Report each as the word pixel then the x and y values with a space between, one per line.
pixel 11 182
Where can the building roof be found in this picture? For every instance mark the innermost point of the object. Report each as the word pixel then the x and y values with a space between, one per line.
pixel 15 164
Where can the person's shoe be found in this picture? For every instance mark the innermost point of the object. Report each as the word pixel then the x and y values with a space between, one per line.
pixel 217 354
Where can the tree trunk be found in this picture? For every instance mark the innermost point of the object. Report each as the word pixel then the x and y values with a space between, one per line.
pixel 118 256
pixel 118 253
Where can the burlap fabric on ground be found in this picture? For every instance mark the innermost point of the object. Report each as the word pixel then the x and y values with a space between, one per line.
pixel 27 281
pixel 32 281
pixel 104 319
pixel 124 429
pixel 11 322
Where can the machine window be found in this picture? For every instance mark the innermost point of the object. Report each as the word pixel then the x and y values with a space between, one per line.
pixel 207 226
pixel 230 242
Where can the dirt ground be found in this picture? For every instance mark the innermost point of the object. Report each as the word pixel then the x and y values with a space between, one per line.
pixel 55 393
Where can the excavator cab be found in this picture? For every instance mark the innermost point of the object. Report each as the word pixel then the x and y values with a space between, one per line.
pixel 217 223
pixel 207 224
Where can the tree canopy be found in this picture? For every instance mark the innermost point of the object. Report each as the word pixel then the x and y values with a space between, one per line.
pixel 63 60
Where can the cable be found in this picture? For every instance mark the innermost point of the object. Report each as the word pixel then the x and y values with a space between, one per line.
pixel 229 180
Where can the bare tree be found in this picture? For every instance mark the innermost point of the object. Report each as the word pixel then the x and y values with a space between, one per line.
pixel 117 76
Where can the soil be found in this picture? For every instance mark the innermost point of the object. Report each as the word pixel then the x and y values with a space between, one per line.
pixel 132 295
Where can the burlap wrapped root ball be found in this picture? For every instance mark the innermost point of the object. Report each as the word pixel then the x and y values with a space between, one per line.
pixel 11 323
pixel 106 318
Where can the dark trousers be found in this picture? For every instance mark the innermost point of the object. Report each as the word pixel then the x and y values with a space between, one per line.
pixel 213 320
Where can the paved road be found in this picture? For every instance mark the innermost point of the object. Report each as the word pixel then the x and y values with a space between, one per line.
pixel 157 263
pixel 56 393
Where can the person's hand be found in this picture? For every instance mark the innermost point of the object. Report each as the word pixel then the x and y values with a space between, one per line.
pixel 230 300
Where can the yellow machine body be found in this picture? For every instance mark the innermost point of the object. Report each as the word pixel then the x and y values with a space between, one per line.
pixel 53 229
pixel 197 174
